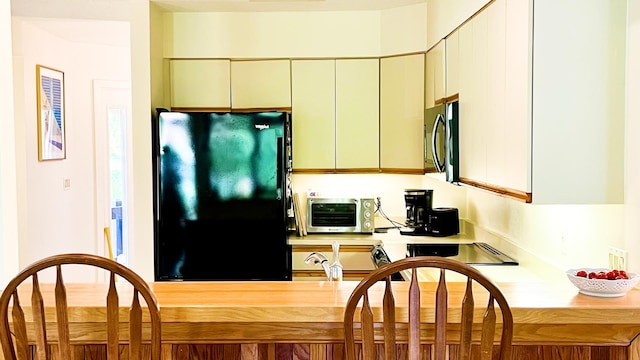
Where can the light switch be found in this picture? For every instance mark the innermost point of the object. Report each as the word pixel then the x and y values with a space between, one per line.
pixel 66 183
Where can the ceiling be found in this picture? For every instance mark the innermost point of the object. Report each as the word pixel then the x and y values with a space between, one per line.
pixel 119 9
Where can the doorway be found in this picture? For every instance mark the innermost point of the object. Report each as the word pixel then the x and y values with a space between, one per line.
pixel 112 124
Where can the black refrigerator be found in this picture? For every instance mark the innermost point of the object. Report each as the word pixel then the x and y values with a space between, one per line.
pixel 222 195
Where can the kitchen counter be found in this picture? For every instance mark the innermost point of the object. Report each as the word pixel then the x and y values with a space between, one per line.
pixel 303 320
pixel 530 268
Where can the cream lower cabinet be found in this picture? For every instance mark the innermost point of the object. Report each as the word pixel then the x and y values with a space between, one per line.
pixel 200 83
pixel 402 113
pixel 335 115
pixel 260 84
pixel 355 260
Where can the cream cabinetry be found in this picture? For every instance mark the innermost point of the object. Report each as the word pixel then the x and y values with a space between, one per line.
pixel 335 115
pixel 452 65
pixel 355 260
pixel 357 114
pixel 473 107
pixel 495 150
pixel 402 102
pixel 435 69
pixel 578 102
pixel 541 100
pixel 201 83
pixel 260 84
pixel 313 114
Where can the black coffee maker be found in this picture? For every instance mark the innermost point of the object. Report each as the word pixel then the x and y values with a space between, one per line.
pixel 423 219
pixel 418 203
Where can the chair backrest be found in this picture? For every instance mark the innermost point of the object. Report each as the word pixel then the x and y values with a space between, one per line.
pixel 432 326
pixel 19 329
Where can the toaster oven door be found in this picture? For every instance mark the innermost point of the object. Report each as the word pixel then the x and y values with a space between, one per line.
pixel 332 216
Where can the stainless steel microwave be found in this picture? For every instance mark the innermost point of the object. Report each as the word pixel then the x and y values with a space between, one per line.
pixel 340 215
pixel 441 140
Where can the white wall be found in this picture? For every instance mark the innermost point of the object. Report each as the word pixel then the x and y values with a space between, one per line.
pixel 8 200
pixel 272 34
pixel 632 142
pixel 564 235
pixel 57 220
pixel 295 34
pixel 403 30
pixel 445 15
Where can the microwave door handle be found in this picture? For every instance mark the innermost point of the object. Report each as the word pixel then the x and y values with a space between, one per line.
pixel 424 145
pixel 434 150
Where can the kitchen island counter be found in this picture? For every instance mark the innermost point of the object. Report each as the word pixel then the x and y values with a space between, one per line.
pixel 303 320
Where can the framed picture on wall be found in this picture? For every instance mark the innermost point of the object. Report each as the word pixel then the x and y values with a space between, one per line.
pixel 51 113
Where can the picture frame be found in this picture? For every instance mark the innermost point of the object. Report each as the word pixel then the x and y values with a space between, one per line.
pixel 51 114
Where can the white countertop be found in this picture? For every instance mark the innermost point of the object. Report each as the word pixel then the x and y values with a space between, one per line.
pixel 395 244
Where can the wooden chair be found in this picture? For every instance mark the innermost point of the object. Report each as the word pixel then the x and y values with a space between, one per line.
pixel 417 326
pixel 37 330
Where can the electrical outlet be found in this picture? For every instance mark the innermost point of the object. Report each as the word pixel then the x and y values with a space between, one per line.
pixel 617 258
pixel 563 245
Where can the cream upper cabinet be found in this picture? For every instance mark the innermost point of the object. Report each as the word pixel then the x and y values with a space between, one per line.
pixel 502 158
pixel 577 101
pixel 452 65
pixel 542 100
pixel 335 114
pixel 313 114
pixel 200 83
pixel 494 143
pixel 357 113
pixel 259 84
pixel 473 106
pixel 435 75
pixel 402 113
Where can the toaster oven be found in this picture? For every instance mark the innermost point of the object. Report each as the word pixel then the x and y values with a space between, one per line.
pixel 340 215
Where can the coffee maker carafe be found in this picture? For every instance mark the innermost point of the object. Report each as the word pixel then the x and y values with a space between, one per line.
pixel 418 204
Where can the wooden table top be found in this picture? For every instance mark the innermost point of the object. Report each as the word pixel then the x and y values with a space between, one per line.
pixel 543 312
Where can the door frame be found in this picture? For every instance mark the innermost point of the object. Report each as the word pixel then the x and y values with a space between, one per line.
pixel 104 91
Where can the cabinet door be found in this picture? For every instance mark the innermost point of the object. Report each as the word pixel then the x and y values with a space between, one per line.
pixel 200 84
pixel 260 84
pixel 357 114
pixel 355 259
pixel 402 113
pixel 435 75
pixel 468 114
pixel 313 114
pixel 452 67
pixel 492 87
pixel 497 119
pixel 578 86
pixel 517 95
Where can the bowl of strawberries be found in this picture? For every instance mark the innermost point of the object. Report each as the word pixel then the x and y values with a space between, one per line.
pixel 602 282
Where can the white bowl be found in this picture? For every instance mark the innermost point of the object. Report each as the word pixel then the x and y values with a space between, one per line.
pixel 602 287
